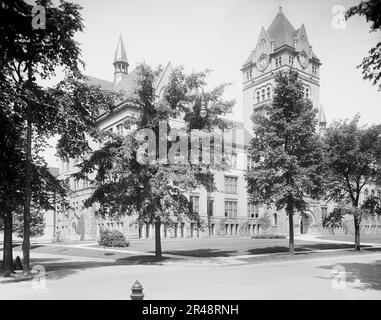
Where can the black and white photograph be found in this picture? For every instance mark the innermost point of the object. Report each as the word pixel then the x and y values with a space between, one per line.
pixel 218 151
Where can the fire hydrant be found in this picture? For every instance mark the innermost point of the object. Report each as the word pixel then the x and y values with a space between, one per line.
pixel 137 291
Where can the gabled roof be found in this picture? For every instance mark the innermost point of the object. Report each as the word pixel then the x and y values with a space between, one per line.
pixel 120 53
pixel 282 31
pixel 103 84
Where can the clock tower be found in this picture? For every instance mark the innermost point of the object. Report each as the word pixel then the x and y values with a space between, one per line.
pixel 278 48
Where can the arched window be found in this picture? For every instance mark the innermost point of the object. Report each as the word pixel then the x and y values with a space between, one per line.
pixel 275 219
pixel 263 95
pixel 268 93
pixel 258 96
pixel 307 93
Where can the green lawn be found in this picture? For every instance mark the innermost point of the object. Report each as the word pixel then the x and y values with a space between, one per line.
pixel 351 238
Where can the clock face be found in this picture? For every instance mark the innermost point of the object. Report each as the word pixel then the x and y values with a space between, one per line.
pixel 262 63
pixel 303 59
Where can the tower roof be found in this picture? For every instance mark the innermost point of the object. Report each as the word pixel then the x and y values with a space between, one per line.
pixel 322 117
pixel 282 31
pixel 120 53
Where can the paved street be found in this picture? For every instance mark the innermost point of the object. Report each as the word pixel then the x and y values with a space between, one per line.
pixel 303 279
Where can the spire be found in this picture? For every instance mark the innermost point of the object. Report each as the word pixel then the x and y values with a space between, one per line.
pixel 120 53
pixel 281 30
pixel 322 117
pixel 120 62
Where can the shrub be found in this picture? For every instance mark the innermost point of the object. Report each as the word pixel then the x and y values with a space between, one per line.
pixel 265 222
pixel 268 236
pixel 113 238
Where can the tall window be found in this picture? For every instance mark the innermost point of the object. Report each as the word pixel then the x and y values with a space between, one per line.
pixel 278 62
pixel 275 219
pixel 231 209
pixel 119 129
pixel 307 93
pixel 234 160
pixel 258 96
pixel 194 204
pixel 323 212
pixel 263 94
pixel 249 163
pixel 210 208
pixel 231 184
pixel 268 93
pixel 291 60
pixel 252 210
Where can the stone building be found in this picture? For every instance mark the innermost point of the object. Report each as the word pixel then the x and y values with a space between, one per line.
pixel 227 211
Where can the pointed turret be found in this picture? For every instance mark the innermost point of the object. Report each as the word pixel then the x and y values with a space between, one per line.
pixel 120 62
pixel 322 119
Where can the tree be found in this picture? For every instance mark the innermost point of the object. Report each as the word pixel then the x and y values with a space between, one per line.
pixel 69 109
pixel 131 178
pixel 286 151
pixel 352 160
pixel 37 223
pixel 371 65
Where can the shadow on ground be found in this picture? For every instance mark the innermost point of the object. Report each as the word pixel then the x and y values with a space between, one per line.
pixel 202 253
pixel 56 270
pixel 366 275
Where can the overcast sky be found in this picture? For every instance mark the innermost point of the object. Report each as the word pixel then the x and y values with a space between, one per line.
pixel 220 34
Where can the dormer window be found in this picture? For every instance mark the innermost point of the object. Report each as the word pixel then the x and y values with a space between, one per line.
pixel 249 75
pixel 314 70
pixel 291 60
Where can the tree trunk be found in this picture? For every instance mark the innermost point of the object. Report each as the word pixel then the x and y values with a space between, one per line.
pixel 357 234
pixel 7 253
pixel 291 232
pixel 28 178
pixel 158 254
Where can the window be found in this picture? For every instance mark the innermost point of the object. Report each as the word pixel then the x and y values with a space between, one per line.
pixel 249 163
pixel 258 96
pixel 323 212
pixel 234 160
pixel 268 93
pixel 194 204
pixel 252 210
pixel 366 193
pixel 249 75
pixel 231 209
pixel 210 208
pixel 314 70
pixel 291 60
pixel 231 184
pixel 119 129
pixel 307 93
pixel 278 62
pixel 263 94
pixel 275 219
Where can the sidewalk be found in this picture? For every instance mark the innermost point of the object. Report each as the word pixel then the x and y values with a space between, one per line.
pixel 315 238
